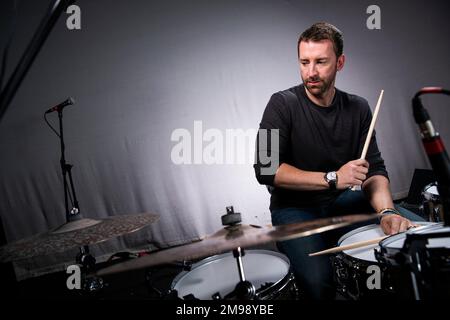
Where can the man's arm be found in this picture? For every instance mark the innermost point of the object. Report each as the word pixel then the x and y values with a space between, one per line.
pixel 376 189
pixel 289 177
pixel 350 174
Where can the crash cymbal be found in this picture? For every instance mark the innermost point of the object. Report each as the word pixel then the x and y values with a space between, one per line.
pixel 233 237
pixel 78 233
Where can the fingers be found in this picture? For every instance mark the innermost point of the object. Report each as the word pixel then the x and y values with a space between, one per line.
pixel 361 162
pixel 361 169
pixel 393 224
pixel 404 225
pixel 360 176
pixel 353 173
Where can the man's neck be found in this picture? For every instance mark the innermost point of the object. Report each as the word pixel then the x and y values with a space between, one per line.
pixel 324 100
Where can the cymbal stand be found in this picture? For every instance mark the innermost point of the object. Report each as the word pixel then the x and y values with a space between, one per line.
pixel 244 289
pixel 87 262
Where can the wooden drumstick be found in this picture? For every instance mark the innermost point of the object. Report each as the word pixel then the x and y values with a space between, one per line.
pixel 372 126
pixel 349 246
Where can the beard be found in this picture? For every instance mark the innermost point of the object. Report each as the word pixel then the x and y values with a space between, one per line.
pixel 318 86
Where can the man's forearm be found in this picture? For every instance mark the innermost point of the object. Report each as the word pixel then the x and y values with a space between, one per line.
pixel 290 177
pixel 377 190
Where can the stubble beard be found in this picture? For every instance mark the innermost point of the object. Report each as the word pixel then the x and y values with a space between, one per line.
pixel 319 90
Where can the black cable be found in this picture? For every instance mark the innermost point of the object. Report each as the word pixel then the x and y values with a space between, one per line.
pixel 51 127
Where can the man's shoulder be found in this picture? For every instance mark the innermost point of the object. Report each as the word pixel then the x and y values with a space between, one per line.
pixel 286 97
pixel 292 91
pixel 354 100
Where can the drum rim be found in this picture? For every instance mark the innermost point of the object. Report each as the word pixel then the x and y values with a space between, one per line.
pixel 210 259
pixel 428 225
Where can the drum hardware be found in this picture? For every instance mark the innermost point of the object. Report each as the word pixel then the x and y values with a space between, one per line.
pixel 351 265
pixel 431 205
pixel 85 259
pixel 425 264
pixel 92 284
pixel 244 290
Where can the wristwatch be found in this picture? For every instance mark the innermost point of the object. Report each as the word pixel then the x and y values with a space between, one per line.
pixel 331 178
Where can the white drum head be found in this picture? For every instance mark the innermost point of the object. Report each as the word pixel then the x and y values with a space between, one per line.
pixel 219 274
pixel 362 234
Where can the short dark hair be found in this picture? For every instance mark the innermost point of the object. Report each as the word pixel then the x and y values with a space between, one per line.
pixel 323 31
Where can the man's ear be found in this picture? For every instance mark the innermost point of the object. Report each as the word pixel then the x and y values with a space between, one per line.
pixel 340 62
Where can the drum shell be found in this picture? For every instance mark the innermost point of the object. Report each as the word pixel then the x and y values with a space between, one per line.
pixel 351 271
pixel 350 275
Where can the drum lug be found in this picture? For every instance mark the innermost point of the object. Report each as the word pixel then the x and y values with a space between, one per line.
pixel 216 296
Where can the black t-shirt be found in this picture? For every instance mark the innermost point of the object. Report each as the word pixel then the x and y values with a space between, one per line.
pixel 314 138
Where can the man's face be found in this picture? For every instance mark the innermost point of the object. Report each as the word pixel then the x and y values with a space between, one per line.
pixel 319 65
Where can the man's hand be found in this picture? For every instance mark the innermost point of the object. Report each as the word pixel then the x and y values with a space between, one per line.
pixel 393 223
pixel 353 173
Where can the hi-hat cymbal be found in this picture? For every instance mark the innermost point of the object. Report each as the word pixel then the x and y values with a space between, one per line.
pixel 231 238
pixel 77 233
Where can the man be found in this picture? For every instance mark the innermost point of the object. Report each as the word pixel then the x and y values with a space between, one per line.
pixel 321 135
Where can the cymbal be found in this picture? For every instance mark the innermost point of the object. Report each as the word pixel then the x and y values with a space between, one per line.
pixel 77 233
pixel 233 237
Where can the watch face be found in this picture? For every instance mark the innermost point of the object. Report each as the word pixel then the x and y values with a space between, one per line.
pixel 331 175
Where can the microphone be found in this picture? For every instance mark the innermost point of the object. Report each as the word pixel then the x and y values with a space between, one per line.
pixel 434 148
pixel 62 105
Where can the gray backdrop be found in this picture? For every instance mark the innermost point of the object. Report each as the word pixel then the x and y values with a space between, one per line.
pixel 141 69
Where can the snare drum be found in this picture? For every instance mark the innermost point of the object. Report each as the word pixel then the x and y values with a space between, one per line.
pixel 217 276
pixel 351 266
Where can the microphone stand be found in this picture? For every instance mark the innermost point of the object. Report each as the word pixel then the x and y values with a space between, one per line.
pixel 66 169
pixel 434 148
pixel 84 257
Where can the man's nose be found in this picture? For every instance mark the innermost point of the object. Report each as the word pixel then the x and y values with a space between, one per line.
pixel 312 70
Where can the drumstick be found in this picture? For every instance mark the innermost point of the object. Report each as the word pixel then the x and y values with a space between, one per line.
pixel 372 126
pixel 349 246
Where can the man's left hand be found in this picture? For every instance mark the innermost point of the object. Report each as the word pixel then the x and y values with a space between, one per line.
pixel 393 223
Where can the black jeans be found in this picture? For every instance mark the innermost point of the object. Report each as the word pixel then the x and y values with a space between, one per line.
pixel 314 275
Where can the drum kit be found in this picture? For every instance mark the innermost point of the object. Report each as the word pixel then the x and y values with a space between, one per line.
pixel 414 264
pixel 257 274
